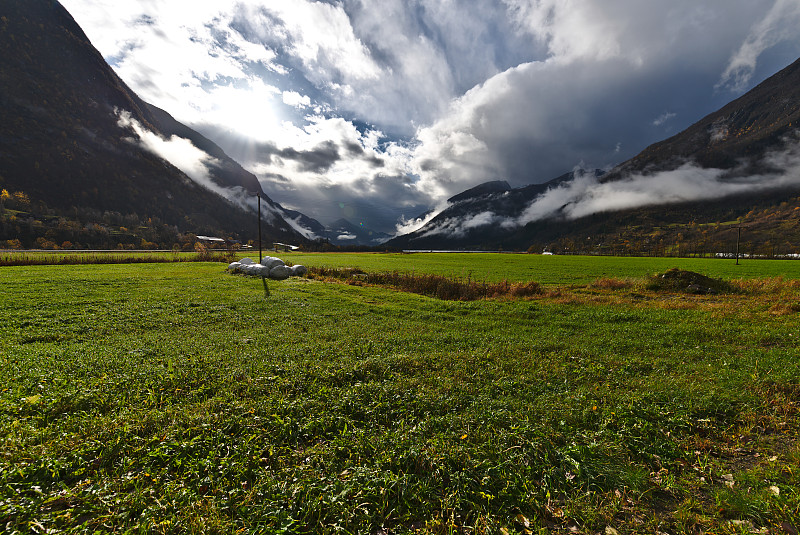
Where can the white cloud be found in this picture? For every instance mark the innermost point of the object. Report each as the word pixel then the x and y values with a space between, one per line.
pixel 406 226
pixel 611 67
pixel 296 224
pixel 296 100
pixel 585 195
pixel 779 24
pixel 663 118
pixel 571 29
pixel 180 152
pixel 320 35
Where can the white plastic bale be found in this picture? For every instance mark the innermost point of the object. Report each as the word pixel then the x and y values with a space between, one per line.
pixel 280 273
pixel 272 262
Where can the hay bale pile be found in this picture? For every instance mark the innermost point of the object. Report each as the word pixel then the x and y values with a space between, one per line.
pixel 270 267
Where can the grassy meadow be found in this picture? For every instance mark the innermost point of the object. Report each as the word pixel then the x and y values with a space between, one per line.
pixel 545 269
pixel 176 398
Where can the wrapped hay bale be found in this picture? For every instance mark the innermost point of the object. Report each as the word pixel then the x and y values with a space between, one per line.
pixel 280 272
pixel 262 270
pixel 271 262
pixel 271 267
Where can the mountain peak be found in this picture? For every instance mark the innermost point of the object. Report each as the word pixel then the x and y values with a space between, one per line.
pixel 494 186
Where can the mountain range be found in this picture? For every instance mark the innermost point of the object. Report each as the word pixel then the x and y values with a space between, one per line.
pixel 738 166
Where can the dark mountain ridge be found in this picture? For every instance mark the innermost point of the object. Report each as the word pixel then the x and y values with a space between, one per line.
pixel 62 145
pixel 750 140
pixel 741 132
pixel 494 186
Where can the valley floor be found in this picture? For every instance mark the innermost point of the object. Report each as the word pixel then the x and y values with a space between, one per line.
pixel 176 398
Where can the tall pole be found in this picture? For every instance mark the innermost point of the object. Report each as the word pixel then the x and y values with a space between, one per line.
pixel 738 239
pixel 260 256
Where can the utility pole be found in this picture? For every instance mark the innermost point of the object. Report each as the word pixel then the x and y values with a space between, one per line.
pixel 260 255
pixel 738 240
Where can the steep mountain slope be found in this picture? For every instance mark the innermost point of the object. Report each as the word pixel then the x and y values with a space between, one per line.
pixel 741 132
pixel 739 161
pixel 487 188
pixel 63 144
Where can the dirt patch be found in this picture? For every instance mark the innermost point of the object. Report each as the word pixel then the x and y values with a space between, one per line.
pixel 679 280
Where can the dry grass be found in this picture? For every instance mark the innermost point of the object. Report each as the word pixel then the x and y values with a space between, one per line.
pixel 772 296
pixel 610 283
pixel 75 259
pixel 770 285
pixel 784 309
pixel 450 289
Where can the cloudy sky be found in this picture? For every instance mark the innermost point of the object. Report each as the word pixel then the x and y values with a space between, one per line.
pixel 378 110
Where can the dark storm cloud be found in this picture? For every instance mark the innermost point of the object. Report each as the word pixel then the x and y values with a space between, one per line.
pixel 317 160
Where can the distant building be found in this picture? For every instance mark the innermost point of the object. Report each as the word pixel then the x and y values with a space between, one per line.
pixel 213 241
pixel 284 247
pixel 210 239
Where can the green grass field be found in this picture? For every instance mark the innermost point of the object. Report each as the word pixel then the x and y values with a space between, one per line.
pixel 544 269
pixel 175 398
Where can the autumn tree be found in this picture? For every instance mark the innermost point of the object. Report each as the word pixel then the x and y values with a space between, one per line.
pixel 4 196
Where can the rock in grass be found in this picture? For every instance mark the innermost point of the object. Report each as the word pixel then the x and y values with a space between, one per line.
pixel 246 261
pixel 700 290
pixel 299 270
